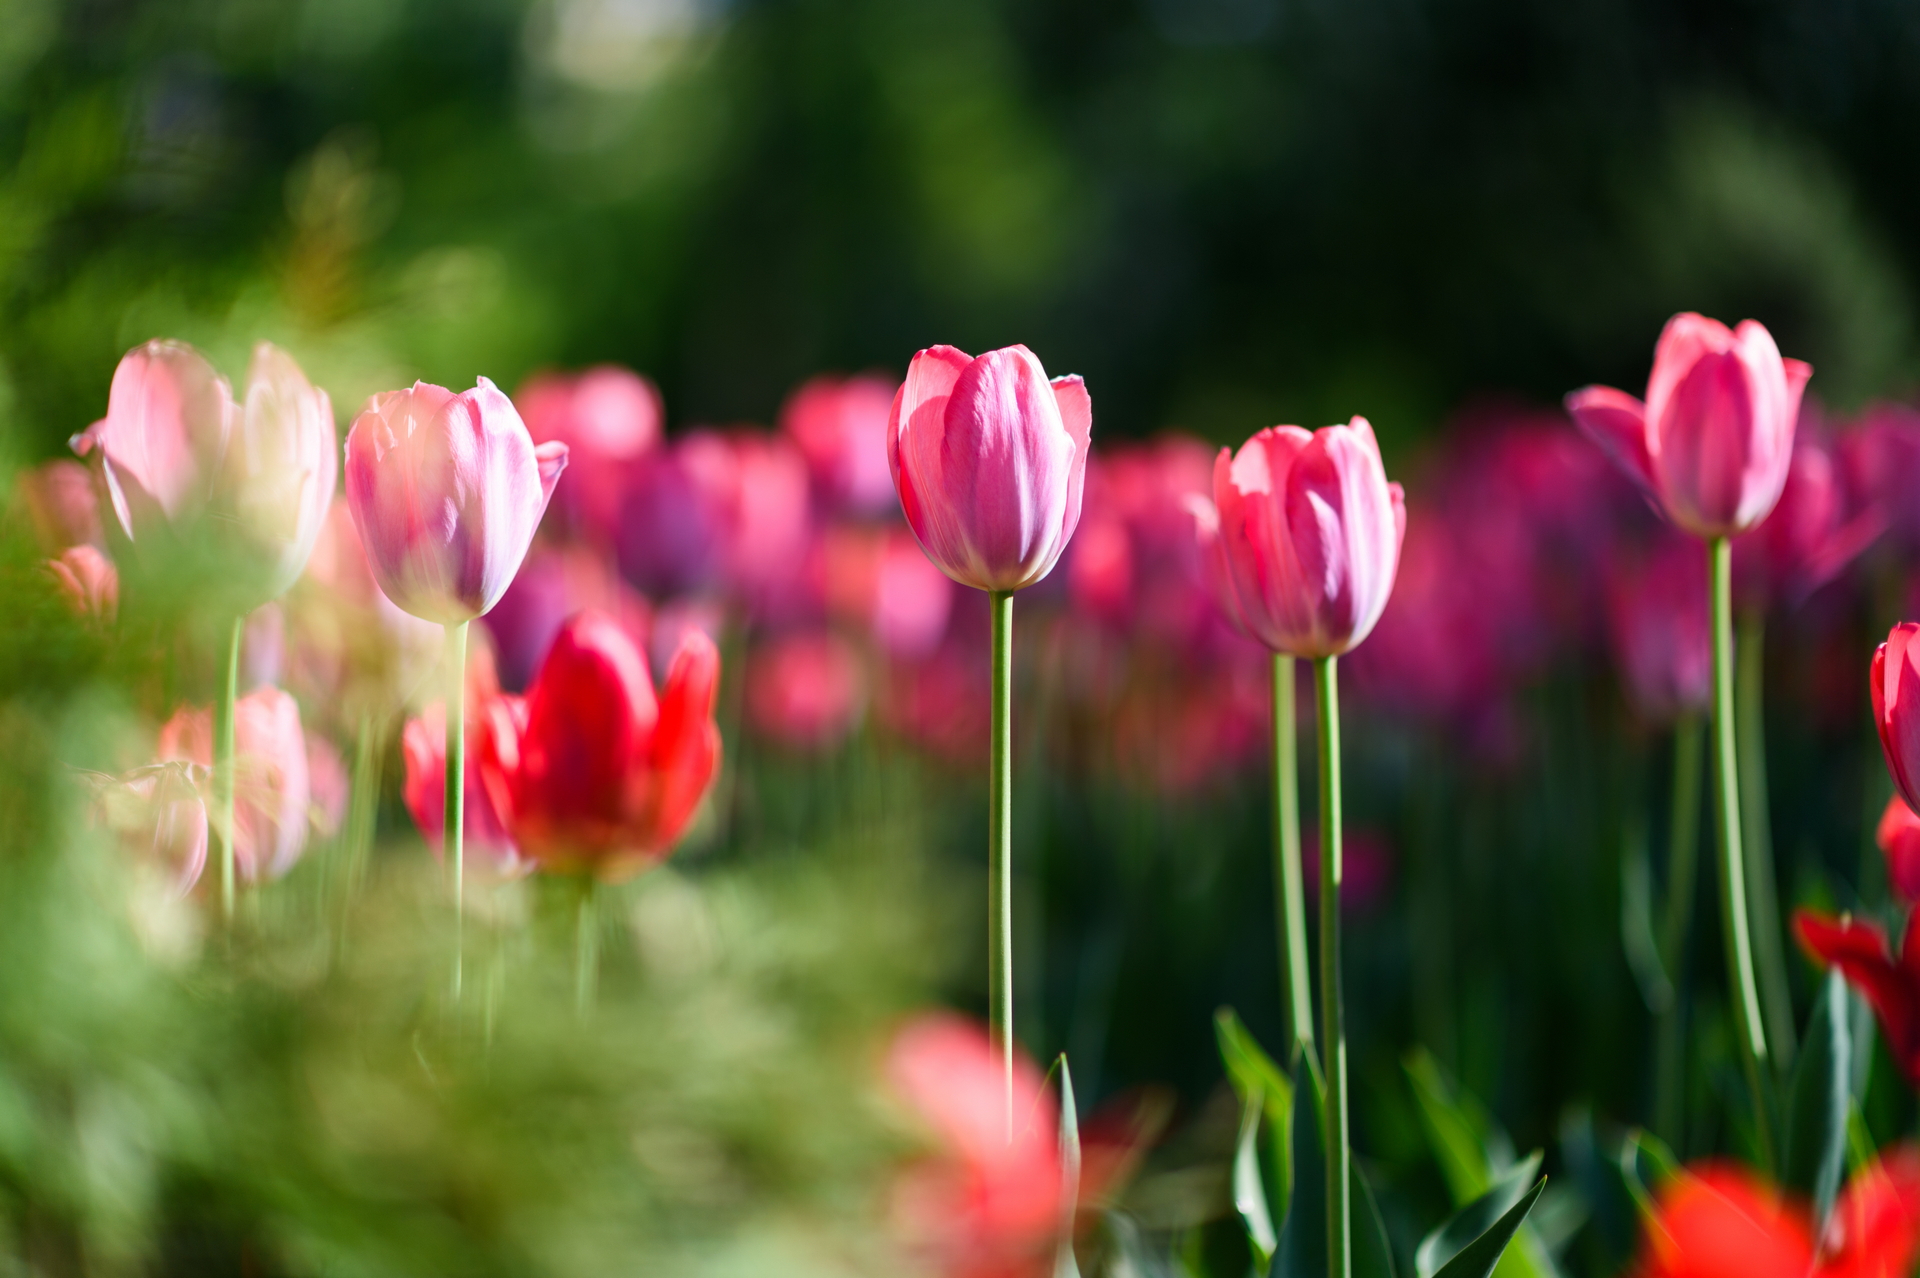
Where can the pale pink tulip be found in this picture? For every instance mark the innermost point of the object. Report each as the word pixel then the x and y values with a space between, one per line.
pixel 446 492
pixel 271 789
pixel 282 465
pixel 87 581
pixel 989 459
pixel 161 819
pixel 161 443
pixel 1712 443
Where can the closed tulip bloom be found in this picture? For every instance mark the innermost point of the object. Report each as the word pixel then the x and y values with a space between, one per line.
pixel 1814 532
pixel 281 468
pixel 602 775
pixel 1895 689
pixel 1898 836
pixel 271 790
pixel 446 492
pixel 1310 530
pixel 1719 1221
pixel 87 582
pixel 989 459
pixel 161 443
pixel 1713 440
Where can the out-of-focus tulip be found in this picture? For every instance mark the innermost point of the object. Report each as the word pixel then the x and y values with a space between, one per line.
pixel 1810 536
pixel 1719 1221
pixel 1366 868
pixel 1880 462
pixel 87 581
pixel 554 583
pixel 486 843
pixel 1892 986
pixel 840 426
pixel 1895 689
pixel 446 491
pixel 1899 838
pixel 1874 1230
pixel 161 443
pixel 1100 571
pixel 989 459
pixel 328 787
pixel 880 580
pixel 161 819
pixel 600 775
pixel 608 417
pixel 60 504
pixel 271 789
pixel 980 1206
pixel 1657 612
pixel 939 702
pixel 1311 532
pixel 769 521
pixel 1713 441
pixel 277 479
pixel 805 690
pixel 671 626
pixel 263 647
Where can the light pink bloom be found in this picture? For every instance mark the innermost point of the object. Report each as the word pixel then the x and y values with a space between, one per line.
pixel 1712 443
pixel 162 441
pixel 608 417
pixel 87 581
pixel 280 471
pixel 353 651
pixel 446 491
pixel 271 789
pixel 160 818
pixel 1310 530
pixel 989 459
pixel 61 504
pixel 329 789
pixel 805 690
pixel 840 425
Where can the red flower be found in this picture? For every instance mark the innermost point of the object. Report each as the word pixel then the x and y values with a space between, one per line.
pixel 1875 1227
pixel 1895 687
pixel 1899 839
pixel 601 775
pixel 423 744
pixel 1859 950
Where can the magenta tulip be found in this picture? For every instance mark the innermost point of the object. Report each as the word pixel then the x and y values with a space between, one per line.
pixel 1814 532
pixel 1714 438
pixel 1658 616
pixel 805 690
pixel 1310 530
pixel 446 492
pixel 608 417
pixel 277 480
pixel 989 459
pixel 161 443
pixel 1895 688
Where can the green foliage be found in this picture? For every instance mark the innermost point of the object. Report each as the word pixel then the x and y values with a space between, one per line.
pixel 1820 1102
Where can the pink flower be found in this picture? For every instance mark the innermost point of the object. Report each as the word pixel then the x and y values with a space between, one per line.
pixel 989 459
pixel 271 790
pixel 161 443
pixel 1811 535
pixel 87 581
pixel 1366 869
pixel 1880 459
pixel 1714 438
pixel 880 580
pixel 980 1205
pixel 1898 836
pixel 329 790
pixel 486 843
pixel 840 425
pixel 160 818
pixel 60 503
pixel 608 417
pixel 446 491
pixel 1895 689
pixel 1311 532
pixel 277 479
pixel 805 690
pixel 1658 615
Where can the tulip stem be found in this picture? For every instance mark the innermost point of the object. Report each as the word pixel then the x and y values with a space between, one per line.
pixel 1683 871
pixel 1763 897
pixel 1744 989
pixel 223 778
pixel 1290 899
pixel 586 949
pixel 1332 1028
pixel 453 821
pixel 1000 843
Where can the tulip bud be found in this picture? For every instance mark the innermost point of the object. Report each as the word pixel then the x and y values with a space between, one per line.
pixel 87 581
pixel 989 459
pixel 281 467
pixel 1898 836
pixel 271 791
pixel 1310 530
pixel 446 492
pixel 163 438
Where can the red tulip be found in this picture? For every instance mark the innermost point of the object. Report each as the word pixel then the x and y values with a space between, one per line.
pixel 1811 535
pixel 60 503
pixel 989 459
pixel 87 581
pixel 271 789
pixel 161 443
pixel 1720 1221
pixel 1658 615
pixel 552 585
pixel 1892 986
pixel 1714 438
pixel 446 492
pixel 1875 1227
pixel 1898 836
pixel 486 844
pixel 600 775
pixel 840 426
pixel 805 690
pixel 1895 688
pixel 980 1206
pixel 608 417
pixel 160 818
pixel 277 479
pixel 1311 532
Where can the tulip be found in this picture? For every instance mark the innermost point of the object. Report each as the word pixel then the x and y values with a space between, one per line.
pixel 1898 836
pixel 160 818
pixel 271 789
pixel 329 790
pixel 840 426
pixel 1713 441
pixel 1895 691
pixel 278 476
pixel 1891 985
pixel 805 690
pixel 59 501
pixel 1813 533
pixel 602 776
pixel 161 443
pixel 423 744
pixel 87 582
pixel 608 417
pixel 353 649
pixel 1662 634
pixel 982 1204
pixel 552 585
pixel 879 580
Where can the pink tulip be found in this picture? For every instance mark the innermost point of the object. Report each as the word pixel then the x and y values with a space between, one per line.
pixel 880 580
pixel 608 417
pixel 805 690
pixel 60 503
pixel 1135 563
pixel 446 492
pixel 87 581
pixel 162 441
pixel 329 789
pixel 840 425
pixel 271 788
pixel 989 459
pixel 1712 443
pixel 1813 533
pixel 1311 532
pixel 161 819
pixel 1658 614
pixel 277 480
pixel 1895 689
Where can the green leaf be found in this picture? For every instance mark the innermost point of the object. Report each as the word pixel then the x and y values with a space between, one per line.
pixel 1645 1165
pixel 1250 1069
pixel 1372 1253
pixel 1475 1218
pixel 1637 928
pixel 1814 1153
pixel 1457 1130
pixel 1126 1252
pixel 1249 1195
pixel 1478 1258
pixel 1302 1249
pixel 1065 1265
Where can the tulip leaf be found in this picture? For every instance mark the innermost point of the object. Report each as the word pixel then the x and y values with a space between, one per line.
pixel 1250 1068
pixel 1814 1153
pixel 1457 1130
pixel 1372 1253
pixel 1473 1220
pixel 1637 937
pixel 1126 1253
pixel 1249 1194
pixel 1065 1265
pixel 1479 1257
pixel 1645 1165
pixel 1302 1247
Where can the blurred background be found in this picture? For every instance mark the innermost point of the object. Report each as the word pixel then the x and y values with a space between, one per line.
pixel 1223 214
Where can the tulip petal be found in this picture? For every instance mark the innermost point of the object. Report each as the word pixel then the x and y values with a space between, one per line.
pixel 551 459
pixel 1617 422
pixel 686 745
pixel 1076 414
pixel 1896 708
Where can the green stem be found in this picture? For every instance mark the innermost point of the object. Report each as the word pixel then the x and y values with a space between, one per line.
pixel 453 820
pixel 223 778
pixel 1683 871
pixel 364 800
pixel 1332 1028
pixel 586 948
pixel 1290 902
pixel 1763 897
pixel 1000 842
pixel 1744 989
